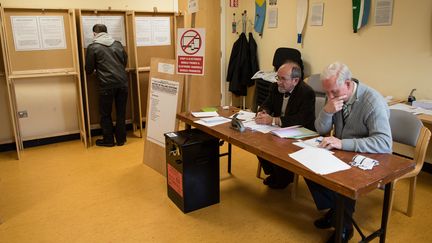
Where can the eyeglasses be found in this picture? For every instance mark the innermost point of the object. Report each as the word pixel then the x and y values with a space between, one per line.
pixel 282 79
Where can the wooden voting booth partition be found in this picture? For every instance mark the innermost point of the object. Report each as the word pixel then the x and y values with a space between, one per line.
pixel 40 53
pixel 149 43
pixel 165 91
pixel 8 131
pixel 118 25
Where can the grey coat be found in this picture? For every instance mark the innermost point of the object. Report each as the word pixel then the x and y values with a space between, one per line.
pixel 367 128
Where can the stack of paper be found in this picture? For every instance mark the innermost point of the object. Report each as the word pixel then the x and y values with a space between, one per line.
pixel 295 132
pixel 251 124
pixel 205 114
pixel 320 161
pixel 212 121
pixel 245 115
pixel 310 143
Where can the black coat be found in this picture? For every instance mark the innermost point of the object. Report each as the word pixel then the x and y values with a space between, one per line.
pixel 300 109
pixel 109 63
pixel 243 64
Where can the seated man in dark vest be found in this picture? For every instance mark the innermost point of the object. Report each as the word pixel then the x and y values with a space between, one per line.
pixel 290 102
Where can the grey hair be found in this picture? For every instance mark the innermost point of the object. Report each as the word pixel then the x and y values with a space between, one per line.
pixel 295 70
pixel 336 69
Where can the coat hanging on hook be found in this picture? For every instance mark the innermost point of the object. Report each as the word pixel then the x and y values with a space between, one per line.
pixel 243 64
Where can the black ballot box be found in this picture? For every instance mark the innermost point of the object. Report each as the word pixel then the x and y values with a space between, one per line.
pixel 192 169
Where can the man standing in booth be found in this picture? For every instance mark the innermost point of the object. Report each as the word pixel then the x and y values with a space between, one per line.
pixel 108 57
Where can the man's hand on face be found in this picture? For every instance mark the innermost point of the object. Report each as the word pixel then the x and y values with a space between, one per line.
pixel 263 118
pixel 335 104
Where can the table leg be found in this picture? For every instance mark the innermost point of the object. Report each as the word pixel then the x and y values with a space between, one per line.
pixel 340 211
pixel 229 157
pixel 385 213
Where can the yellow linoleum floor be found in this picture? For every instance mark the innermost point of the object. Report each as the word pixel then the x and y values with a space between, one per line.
pixel 66 193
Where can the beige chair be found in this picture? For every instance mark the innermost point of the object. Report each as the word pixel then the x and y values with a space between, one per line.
pixel 408 132
pixel 314 82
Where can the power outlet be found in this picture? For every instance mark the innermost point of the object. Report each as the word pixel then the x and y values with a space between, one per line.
pixel 22 114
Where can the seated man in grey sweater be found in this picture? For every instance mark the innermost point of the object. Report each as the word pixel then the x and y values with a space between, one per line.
pixel 359 116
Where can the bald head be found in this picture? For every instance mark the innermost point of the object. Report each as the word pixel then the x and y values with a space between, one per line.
pixel 288 76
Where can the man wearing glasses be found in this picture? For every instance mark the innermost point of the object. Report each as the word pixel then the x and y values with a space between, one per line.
pixel 290 102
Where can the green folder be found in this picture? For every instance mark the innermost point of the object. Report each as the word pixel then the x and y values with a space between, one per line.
pixel 207 109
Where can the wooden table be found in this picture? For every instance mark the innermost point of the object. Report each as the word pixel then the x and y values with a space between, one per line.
pixel 352 183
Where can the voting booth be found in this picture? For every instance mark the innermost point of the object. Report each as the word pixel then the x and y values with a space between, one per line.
pixel 40 58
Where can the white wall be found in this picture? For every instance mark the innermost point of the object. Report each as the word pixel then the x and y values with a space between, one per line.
pixel 392 59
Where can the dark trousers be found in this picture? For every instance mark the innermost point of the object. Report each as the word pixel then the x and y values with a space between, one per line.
pixel 106 98
pixel 325 198
pixel 281 175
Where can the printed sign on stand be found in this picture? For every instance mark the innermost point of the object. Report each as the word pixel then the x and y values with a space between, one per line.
pixel 190 51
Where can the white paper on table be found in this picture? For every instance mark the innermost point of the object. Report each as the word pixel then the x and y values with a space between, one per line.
pixel 319 161
pixel 310 143
pixel 204 113
pixel 245 115
pixel 251 124
pixel 213 121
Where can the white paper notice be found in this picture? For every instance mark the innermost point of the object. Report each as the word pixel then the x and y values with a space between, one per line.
pixel 273 17
pixel 87 24
pixel 115 27
pixel 52 32
pixel 25 33
pixel 319 160
pixel 38 32
pixel 153 31
pixel 316 17
pixel 166 68
pixel 162 109
pixel 193 6
pixel 383 12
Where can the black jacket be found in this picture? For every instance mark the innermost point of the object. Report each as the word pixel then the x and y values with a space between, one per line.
pixel 243 64
pixel 109 62
pixel 300 109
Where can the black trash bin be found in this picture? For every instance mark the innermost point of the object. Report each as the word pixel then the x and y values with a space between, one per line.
pixel 192 169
